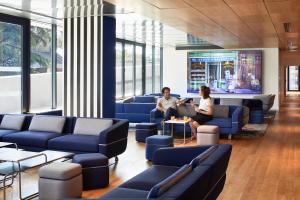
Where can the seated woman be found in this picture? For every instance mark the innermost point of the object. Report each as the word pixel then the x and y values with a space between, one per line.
pixel 204 111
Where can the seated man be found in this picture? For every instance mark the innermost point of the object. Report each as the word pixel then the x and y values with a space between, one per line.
pixel 167 104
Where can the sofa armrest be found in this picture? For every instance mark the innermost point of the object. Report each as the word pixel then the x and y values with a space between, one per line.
pixel 178 156
pixel 116 132
pixel 154 114
pixel 237 120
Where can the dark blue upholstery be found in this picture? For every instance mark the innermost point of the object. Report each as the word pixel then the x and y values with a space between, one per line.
pixel 155 142
pixel 255 106
pixel 75 143
pixel 205 181
pixel 144 99
pixel 150 177
pixel 111 141
pixel 134 112
pixel 160 94
pixel 231 125
pixel 94 170
pixel 4 132
pixel 144 130
pixel 164 185
pixel 30 138
pixel 146 126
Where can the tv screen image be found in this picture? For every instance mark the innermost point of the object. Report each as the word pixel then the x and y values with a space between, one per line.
pixel 230 71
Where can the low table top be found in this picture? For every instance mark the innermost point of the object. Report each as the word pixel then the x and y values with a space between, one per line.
pixel 176 121
pixel 30 159
pixel 5 144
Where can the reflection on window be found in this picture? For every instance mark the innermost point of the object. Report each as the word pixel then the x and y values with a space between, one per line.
pixel 40 68
pixel 149 69
pixel 59 67
pixel 157 69
pixel 129 70
pixel 118 70
pixel 139 70
pixel 10 67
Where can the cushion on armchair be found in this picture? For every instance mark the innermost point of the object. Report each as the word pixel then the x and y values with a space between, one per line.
pixel 89 126
pixel 186 110
pixel 203 156
pixel 231 101
pixel 14 122
pixel 221 111
pixel 54 124
pixel 167 183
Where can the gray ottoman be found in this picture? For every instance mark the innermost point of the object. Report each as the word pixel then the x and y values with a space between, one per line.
pixel 207 134
pixel 60 180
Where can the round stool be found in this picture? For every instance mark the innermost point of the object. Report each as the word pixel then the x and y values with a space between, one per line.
pixel 207 135
pixel 60 180
pixel 144 130
pixel 155 142
pixel 94 170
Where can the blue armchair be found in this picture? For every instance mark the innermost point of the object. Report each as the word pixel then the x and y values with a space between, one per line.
pixel 228 126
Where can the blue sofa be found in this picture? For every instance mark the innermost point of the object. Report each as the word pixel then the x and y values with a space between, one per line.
pixel 111 141
pixel 228 126
pixel 179 174
pixel 255 106
pixel 134 112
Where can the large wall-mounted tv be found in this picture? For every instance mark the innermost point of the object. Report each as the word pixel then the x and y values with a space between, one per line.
pixel 230 71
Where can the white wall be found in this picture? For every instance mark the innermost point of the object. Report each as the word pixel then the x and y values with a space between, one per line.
pixel 175 73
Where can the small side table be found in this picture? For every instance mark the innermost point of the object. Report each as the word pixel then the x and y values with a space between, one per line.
pixel 177 121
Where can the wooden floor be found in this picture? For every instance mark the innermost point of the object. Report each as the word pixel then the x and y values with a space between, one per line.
pixel 266 168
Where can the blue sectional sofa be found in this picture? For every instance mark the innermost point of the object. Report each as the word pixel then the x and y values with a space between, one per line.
pixel 78 135
pixel 229 125
pixel 179 174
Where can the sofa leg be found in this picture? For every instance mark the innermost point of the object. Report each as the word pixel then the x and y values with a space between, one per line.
pixel 229 137
pixel 116 159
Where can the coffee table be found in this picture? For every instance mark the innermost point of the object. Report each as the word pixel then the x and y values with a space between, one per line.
pixel 14 162
pixel 6 144
pixel 176 121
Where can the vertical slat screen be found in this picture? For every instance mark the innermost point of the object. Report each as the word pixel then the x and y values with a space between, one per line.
pixel 82 71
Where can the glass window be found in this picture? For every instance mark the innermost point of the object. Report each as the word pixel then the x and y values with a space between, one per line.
pixel 119 70
pixel 40 69
pixel 293 78
pixel 157 69
pixel 129 70
pixel 10 67
pixel 139 70
pixel 148 69
pixel 59 67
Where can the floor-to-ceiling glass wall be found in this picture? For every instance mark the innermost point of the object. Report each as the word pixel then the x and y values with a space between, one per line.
pixel 10 68
pixel 119 70
pixel 138 70
pixel 293 78
pixel 129 70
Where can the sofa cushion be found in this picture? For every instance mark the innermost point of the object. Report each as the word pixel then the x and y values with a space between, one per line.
pixel 144 108
pixel 87 160
pixel 221 111
pixel 201 157
pixel 186 110
pixel 221 122
pixel 231 101
pixel 53 124
pixel 30 138
pixel 13 122
pixel 75 143
pixel 144 99
pixel 150 177
pixel 90 126
pixel 167 183
pixel 5 132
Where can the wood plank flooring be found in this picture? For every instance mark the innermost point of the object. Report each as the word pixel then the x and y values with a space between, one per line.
pixel 262 168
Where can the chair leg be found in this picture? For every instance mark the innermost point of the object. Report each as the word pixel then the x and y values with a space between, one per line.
pixel 116 159
pixel 229 137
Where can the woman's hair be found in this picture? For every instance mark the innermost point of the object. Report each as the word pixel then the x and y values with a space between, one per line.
pixel 205 91
pixel 165 88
